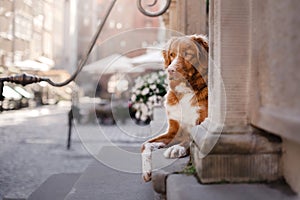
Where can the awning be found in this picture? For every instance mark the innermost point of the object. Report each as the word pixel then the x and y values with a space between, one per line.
pixel 150 60
pixel 112 64
pixel 23 92
pixel 151 57
pixel 32 65
pixel 10 93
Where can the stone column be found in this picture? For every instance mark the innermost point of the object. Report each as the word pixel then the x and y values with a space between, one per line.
pixel 225 146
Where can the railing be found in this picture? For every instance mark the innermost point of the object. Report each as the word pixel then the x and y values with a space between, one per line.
pixel 25 79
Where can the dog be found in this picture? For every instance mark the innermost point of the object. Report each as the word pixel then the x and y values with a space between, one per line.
pixel 186 63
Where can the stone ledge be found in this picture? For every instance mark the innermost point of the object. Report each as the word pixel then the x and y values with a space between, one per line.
pixel 254 156
pixel 216 140
pixel 182 187
pixel 218 168
pixel 159 177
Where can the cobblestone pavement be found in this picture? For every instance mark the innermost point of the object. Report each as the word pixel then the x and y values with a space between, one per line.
pixel 33 146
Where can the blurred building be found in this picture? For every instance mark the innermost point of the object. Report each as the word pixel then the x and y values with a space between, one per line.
pixel 57 33
pixel 33 38
pixel 30 31
pixel 125 18
pixel 126 32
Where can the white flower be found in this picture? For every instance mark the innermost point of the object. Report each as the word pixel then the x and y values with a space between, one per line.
pixel 137 92
pixel 161 73
pixel 151 80
pixel 145 91
pixel 143 117
pixel 166 81
pixel 137 106
pixel 133 98
pixel 144 108
pixel 137 114
pixel 154 76
pixel 152 87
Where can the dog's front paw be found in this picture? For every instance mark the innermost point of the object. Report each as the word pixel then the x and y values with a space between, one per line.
pixel 175 151
pixel 147 176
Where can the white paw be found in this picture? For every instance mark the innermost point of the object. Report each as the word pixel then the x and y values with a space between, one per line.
pixel 175 151
pixel 147 176
pixel 147 164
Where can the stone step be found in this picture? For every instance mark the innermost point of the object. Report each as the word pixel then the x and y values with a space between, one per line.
pixel 116 174
pixel 12 198
pixel 183 187
pixel 55 187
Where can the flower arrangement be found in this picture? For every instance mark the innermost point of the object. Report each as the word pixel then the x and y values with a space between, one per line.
pixel 147 93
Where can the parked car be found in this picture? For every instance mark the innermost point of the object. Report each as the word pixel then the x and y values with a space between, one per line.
pixel 12 99
pixel 16 97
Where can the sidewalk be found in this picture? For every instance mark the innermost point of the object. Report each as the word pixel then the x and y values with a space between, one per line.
pixel 115 174
pixel 100 181
pixel 33 146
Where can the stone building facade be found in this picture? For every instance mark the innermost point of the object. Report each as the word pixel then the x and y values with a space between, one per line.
pixel 252 131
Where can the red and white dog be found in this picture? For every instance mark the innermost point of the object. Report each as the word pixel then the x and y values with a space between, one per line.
pixel 186 61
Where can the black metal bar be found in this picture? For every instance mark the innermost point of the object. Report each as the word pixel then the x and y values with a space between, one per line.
pixel 23 79
pixel 1 91
pixel 70 124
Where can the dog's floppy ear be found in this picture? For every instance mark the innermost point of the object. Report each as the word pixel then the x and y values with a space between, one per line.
pixel 202 46
pixel 166 58
pixel 201 40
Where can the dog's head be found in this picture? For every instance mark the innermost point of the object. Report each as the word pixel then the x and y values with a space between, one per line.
pixel 186 58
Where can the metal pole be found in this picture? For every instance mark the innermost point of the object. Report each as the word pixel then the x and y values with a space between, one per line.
pixel 13 31
pixel 1 96
pixel 70 123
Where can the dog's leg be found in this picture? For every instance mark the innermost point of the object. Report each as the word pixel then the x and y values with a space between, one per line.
pixel 156 143
pixel 147 158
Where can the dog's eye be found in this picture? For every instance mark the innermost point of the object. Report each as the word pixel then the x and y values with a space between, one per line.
pixel 187 55
pixel 172 55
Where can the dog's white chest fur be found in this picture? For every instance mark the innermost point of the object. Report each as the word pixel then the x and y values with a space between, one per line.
pixel 184 112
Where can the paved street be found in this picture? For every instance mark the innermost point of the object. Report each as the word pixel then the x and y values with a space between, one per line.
pixel 33 146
